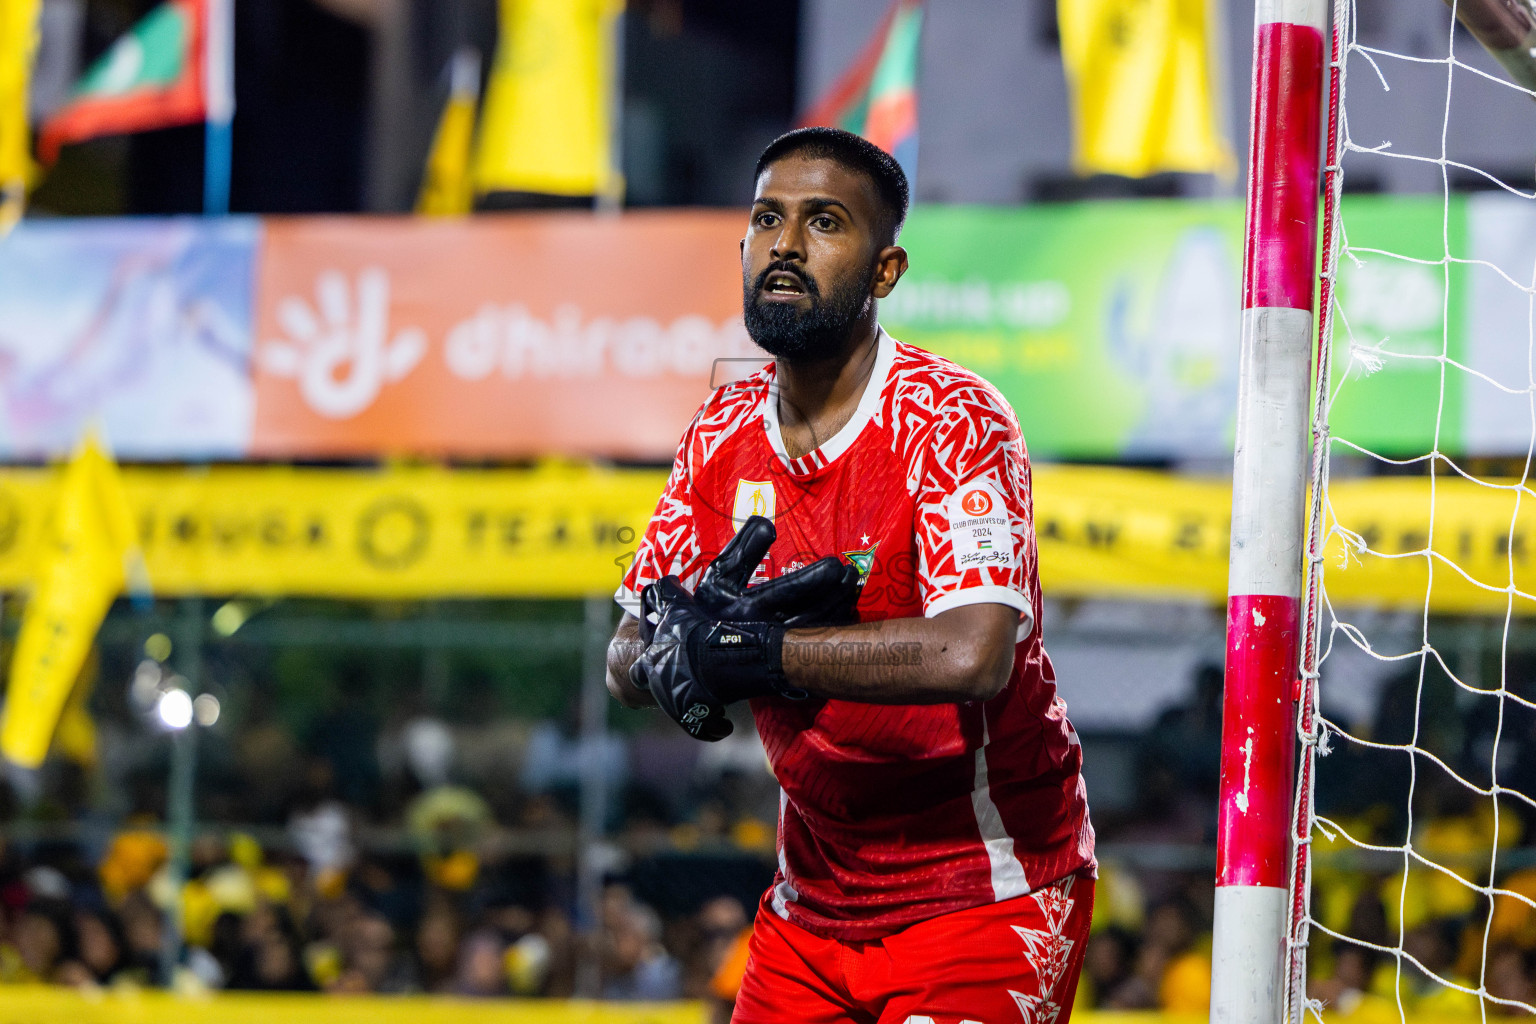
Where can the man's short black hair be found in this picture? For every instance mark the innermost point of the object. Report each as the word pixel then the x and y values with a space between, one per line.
pixel 854 153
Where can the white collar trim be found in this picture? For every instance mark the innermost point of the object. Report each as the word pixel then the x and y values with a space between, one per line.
pixel 828 451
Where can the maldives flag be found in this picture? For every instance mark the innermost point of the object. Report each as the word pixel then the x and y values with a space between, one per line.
pixel 153 77
pixel 877 96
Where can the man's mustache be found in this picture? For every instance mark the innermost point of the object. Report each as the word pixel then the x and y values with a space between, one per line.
pixel 806 280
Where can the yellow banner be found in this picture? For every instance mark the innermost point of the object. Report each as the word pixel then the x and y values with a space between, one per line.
pixel 1131 533
pixel 546 121
pixel 403 532
pixel 565 531
pixel 79 570
pixel 38 1005
pixel 1142 534
pixel 18 39
pixel 1140 75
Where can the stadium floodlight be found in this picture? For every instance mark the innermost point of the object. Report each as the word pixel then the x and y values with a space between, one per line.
pixel 205 707
pixel 174 709
pixel 148 679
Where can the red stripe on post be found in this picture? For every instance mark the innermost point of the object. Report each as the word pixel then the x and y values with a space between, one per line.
pixel 1258 740
pixel 1287 134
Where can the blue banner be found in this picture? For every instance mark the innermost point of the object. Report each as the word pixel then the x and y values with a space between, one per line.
pixel 143 326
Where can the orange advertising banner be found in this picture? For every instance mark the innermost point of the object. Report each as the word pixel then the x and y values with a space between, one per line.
pixel 506 337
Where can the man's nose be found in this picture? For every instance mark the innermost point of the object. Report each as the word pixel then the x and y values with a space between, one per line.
pixel 790 243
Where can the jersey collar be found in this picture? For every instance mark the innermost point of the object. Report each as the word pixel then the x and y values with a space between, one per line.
pixel 828 451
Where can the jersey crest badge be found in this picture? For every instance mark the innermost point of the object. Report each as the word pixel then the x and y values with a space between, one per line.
pixel 753 498
pixel 864 560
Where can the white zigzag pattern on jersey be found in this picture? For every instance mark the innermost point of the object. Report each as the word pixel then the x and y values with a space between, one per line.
pixel 1048 950
pixel 956 430
pixel 952 429
pixel 729 409
pixel 726 411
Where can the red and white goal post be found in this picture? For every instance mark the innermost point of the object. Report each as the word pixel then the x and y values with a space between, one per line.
pixel 1256 865
pixel 1265 817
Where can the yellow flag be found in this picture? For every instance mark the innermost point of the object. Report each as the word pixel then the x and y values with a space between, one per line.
pixel 75 737
pixel 545 126
pixel 1142 97
pixel 82 570
pixel 446 190
pixel 18 40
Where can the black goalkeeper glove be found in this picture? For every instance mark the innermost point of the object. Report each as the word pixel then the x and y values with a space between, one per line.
pixel 695 664
pixel 725 643
pixel 823 593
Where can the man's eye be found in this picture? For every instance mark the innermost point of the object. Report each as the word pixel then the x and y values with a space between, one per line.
pixel 765 220
pixel 824 223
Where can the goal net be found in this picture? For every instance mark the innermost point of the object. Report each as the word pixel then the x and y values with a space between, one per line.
pixel 1414 872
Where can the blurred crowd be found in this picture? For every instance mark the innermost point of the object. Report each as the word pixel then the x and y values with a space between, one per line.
pixel 379 863
pixel 1423 885
pixel 253 921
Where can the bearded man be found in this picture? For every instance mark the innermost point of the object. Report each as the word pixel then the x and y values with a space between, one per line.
pixel 847 541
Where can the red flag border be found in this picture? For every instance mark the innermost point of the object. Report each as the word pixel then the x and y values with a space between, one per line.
pixel 181 102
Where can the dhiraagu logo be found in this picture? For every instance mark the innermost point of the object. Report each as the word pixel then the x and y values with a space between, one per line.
pixel 342 350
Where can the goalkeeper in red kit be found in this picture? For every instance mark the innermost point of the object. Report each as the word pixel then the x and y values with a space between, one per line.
pixel 847 541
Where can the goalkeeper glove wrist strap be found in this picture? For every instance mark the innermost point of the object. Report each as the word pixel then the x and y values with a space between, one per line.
pixel 739 660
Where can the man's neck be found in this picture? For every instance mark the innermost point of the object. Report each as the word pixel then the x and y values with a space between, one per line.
pixel 817 398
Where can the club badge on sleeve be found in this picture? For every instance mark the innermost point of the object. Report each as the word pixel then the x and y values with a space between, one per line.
pixel 978 527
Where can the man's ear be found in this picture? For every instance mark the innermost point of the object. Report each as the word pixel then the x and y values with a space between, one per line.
pixel 889 266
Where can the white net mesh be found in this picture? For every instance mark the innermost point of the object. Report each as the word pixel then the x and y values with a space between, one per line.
pixel 1415 886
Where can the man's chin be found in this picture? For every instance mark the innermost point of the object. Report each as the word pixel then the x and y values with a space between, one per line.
pixel 792 349
pixel 775 326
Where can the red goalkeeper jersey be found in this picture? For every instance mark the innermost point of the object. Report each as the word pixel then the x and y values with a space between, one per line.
pixel 892 814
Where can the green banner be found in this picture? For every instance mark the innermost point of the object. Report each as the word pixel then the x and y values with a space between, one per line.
pixel 1401 307
pixel 1112 328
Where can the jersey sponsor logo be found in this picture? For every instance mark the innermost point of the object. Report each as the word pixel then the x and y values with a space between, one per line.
pixel 979 532
pixel 753 498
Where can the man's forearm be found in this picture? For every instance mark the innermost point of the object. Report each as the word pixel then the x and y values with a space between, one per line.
pixel 625 647
pixel 963 654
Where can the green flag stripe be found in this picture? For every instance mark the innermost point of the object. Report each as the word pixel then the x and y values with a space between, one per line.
pixel 897 70
pixel 153 53
pixel 856 115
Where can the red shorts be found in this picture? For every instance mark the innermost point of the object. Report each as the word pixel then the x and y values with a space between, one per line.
pixel 1016 961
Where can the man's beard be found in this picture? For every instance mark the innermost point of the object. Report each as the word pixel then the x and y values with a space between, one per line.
pixel 782 330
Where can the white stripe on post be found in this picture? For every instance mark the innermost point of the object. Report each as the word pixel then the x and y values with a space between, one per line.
pixel 1270 457
pixel 1245 960
pixel 1294 12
